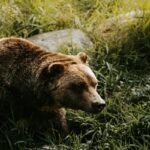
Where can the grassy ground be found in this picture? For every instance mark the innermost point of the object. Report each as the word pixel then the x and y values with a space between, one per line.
pixel 121 60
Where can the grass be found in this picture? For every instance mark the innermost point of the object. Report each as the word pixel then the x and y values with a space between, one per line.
pixel 120 59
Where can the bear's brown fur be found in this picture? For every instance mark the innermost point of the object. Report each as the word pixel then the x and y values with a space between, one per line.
pixel 37 85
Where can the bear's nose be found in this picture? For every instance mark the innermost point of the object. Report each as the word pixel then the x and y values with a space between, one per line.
pixel 98 105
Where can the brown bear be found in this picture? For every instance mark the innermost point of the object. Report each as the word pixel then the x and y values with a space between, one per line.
pixel 37 85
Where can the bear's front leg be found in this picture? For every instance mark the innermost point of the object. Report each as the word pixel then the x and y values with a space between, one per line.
pixel 50 121
pixel 57 120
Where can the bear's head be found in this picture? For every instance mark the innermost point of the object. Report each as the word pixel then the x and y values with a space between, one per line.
pixel 70 83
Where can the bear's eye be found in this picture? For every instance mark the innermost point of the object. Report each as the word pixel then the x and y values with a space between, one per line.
pixel 78 86
pixel 81 85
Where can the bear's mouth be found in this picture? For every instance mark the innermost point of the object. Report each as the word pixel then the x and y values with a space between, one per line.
pixel 93 111
pixel 96 111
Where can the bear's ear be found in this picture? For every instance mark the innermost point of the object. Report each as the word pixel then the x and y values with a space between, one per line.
pixel 83 57
pixel 52 70
pixel 56 69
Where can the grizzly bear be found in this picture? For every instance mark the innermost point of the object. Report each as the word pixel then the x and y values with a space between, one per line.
pixel 37 85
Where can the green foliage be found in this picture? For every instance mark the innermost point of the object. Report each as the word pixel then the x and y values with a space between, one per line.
pixel 120 59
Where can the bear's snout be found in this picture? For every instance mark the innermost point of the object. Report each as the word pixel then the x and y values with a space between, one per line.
pixel 97 106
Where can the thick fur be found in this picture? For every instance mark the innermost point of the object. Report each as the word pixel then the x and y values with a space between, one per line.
pixel 36 84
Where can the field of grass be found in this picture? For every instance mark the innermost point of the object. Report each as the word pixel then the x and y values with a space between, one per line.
pixel 120 59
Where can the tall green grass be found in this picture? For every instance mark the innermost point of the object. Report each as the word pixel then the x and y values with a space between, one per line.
pixel 120 59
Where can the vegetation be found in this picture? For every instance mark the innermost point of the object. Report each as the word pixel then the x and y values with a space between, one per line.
pixel 120 58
